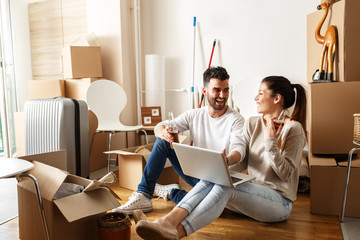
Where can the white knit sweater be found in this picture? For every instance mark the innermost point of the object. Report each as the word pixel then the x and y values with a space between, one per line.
pixel 274 162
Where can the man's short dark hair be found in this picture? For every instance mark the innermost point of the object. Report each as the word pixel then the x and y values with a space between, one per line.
pixel 215 72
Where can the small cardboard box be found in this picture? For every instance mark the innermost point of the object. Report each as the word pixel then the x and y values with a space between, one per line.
pixel 39 89
pixel 71 217
pixel 331 121
pixel 132 162
pixel 344 16
pixel 82 62
pixel 327 186
pixel 70 88
pixel 77 88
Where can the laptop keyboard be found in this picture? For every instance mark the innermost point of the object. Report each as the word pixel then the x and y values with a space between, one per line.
pixel 235 179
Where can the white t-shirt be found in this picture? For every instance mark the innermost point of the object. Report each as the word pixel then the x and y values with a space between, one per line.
pixel 213 133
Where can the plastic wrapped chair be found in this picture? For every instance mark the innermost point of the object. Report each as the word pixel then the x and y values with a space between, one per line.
pixel 107 99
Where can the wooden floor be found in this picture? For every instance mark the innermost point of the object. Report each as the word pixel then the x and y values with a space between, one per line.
pixel 300 225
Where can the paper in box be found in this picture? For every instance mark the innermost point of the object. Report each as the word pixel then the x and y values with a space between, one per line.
pixel 72 217
pixel 327 186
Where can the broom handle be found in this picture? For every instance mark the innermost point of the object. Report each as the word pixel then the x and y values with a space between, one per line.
pixel 192 92
pixel 211 56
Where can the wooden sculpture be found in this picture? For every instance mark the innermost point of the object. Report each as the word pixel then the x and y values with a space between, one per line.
pixel 329 42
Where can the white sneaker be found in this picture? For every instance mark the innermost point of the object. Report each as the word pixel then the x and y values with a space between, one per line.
pixel 136 201
pixel 163 191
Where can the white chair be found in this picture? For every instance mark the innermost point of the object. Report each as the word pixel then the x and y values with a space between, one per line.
pixel 106 99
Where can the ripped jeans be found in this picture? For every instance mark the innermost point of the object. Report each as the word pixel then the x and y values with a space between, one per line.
pixel 206 201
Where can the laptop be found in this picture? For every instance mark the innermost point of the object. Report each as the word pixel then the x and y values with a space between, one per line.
pixel 208 165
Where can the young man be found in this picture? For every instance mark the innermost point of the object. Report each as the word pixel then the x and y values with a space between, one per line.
pixel 215 126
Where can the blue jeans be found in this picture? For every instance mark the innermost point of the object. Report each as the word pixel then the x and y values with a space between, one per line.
pixel 155 165
pixel 206 201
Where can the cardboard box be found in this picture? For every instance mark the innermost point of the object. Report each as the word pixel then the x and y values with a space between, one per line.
pixel 331 121
pixel 77 88
pixel 54 159
pixel 98 159
pixel 82 62
pixel 71 217
pixel 39 89
pixel 70 88
pixel 344 16
pixel 328 183
pixel 132 162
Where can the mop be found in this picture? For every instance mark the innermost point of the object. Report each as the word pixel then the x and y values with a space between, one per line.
pixel 192 92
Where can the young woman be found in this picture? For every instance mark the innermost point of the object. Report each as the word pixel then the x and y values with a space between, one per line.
pixel 273 156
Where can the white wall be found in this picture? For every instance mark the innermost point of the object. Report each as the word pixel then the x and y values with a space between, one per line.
pixel 111 21
pixel 254 39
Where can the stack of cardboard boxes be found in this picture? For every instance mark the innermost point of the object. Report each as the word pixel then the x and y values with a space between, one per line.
pixel 81 66
pixel 75 216
pixel 331 109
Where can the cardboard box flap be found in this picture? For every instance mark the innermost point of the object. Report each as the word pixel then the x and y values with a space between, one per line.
pixel 139 151
pixel 86 204
pixel 135 151
pixel 321 161
pixel 86 40
pixel 125 153
pixel 49 180
pixel 55 159
pixel 354 163
pixel 143 151
pixel 77 180
pixel 92 39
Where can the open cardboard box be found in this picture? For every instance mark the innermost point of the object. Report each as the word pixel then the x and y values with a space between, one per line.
pixel 328 185
pixel 71 217
pixel 132 162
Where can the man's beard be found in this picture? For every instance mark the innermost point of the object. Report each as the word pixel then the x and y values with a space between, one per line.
pixel 212 102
